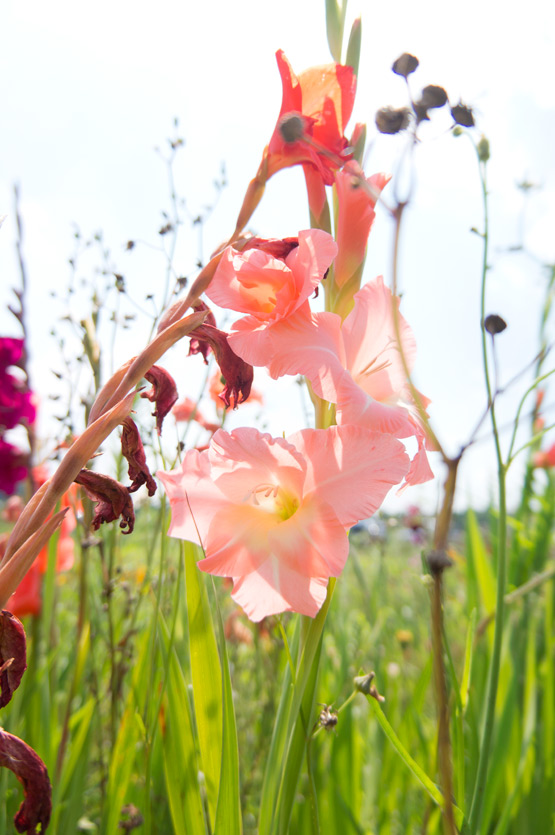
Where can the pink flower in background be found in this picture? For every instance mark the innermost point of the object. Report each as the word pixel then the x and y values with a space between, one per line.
pixel 545 459
pixel 269 289
pixel 357 365
pixel 273 514
pixel 187 410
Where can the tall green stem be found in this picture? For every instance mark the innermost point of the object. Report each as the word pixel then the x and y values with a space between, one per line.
pixel 493 678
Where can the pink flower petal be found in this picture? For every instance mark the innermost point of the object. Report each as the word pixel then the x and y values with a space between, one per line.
pixel 193 496
pixel 238 540
pixel 351 468
pixel 267 592
pixel 245 459
pixel 369 336
pixel 355 406
pixel 313 541
pixel 305 344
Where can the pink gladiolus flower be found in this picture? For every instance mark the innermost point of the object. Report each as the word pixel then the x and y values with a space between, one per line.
pixel 355 218
pixel 269 289
pixel 356 364
pixel 273 514
pixel 187 410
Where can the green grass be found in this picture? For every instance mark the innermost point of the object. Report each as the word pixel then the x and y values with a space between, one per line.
pixel 145 704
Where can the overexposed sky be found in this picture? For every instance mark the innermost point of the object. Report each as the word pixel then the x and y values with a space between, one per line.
pixel 88 91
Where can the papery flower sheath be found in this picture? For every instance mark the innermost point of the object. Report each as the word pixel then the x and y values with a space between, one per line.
pixel 269 288
pixel 273 513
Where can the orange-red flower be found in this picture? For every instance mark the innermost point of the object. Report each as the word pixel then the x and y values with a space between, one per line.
pixel 315 109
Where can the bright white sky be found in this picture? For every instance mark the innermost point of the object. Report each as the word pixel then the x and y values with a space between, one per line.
pixel 88 90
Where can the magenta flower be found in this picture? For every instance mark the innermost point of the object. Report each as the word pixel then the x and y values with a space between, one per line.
pixel 273 513
pixel 13 467
pixel 11 351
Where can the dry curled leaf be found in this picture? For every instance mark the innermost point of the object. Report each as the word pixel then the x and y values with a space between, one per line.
pixel 32 774
pixel 13 655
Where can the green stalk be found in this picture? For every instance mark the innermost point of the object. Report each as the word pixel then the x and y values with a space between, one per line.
pixel 493 677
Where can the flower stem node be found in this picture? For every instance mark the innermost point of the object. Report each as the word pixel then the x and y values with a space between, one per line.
pixel 438 561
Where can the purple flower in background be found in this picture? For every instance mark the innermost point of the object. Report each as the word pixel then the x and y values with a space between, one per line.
pixel 16 404
pixel 11 351
pixel 12 466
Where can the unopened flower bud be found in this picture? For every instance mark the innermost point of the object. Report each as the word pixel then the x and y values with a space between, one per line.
pixel 291 127
pixel 363 683
pixel 483 149
pixel 392 120
pixel 405 64
pixel 494 324
pixel 438 561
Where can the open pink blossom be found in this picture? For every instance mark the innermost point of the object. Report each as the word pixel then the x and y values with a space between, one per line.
pixel 357 365
pixel 269 289
pixel 273 513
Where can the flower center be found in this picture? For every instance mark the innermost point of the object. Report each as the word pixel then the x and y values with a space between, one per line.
pixel 272 498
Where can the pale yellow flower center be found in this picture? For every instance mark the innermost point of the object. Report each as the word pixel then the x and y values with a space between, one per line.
pixel 272 498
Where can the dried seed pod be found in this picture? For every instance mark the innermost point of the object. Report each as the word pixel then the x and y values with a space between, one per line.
pixel 392 120
pixel 494 324
pixel 462 115
pixel 405 64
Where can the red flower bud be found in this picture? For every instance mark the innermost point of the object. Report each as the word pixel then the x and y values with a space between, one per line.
pixel 113 499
